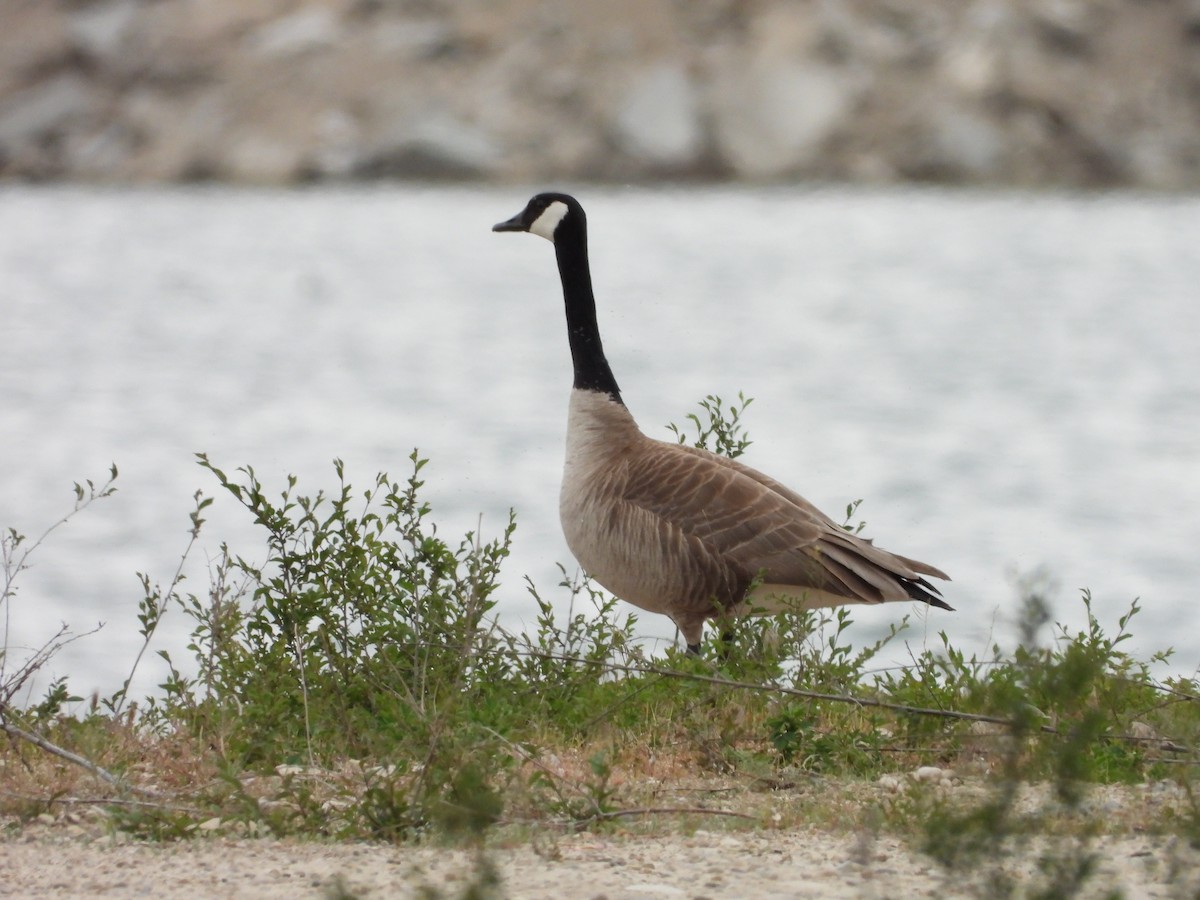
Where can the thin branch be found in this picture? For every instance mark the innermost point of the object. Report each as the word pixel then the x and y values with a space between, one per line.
pixel 13 564
pixel 604 815
pixel 158 610
pixel 103 801
pixel 303 693
pixel 15 683
pixel 792 692
pixel 866 702
pixel 38 741
pixel 663 810
pixel 537 763
pixel 1182 695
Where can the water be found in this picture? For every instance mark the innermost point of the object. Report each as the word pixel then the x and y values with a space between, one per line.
pixel 1010 380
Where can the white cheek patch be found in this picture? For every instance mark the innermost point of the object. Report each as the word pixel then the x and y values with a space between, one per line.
pixel 545 224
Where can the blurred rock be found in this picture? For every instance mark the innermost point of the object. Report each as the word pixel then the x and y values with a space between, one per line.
pixel 260 159
pixel 962 145
pixel 100 154
pixel 1067 92
pixel 338 139
pixel 973 68
pixel 179 140
pixel 100 29
pixel 434 145
pixel 659 122
pixel 771 119
pixel 1065 25
pixel 31 33
pixel 51 106
pixel 933 775
pixel 312 28
pixel 414 39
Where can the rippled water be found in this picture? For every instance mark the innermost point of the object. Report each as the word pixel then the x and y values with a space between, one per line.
pixel 1012 381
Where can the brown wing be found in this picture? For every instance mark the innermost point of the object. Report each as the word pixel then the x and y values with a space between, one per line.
pixel 754 526
pixel 735 521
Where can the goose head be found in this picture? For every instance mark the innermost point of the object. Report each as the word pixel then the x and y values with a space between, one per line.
pixel 545 215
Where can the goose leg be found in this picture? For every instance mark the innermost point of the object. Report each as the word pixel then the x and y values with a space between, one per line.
pixel 692 628
pixel 726 644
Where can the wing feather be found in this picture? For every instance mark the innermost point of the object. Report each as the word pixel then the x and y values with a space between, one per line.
pixel 746 525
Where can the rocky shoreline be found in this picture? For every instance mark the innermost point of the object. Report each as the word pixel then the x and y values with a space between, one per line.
pixel 1081 93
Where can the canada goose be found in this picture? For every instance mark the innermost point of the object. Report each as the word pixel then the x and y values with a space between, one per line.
pixel 681 531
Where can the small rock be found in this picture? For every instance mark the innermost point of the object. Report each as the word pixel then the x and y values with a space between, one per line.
pixel 1162 787
pixel 891 783
pixel 390 770
pixel 285 769
pixel 932 775
pixel 1143 732
pixel 657 890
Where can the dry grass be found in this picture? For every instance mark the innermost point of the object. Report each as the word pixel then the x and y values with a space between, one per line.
pixel 558 789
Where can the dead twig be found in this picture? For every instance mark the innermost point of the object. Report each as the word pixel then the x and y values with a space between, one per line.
pixel 662 810
pixel 866 702
pixel 103 801
pixel 74 758
pixel 791 692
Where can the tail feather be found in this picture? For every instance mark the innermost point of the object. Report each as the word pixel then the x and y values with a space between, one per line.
pixel 924 592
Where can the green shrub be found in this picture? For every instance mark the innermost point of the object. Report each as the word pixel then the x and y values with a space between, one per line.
pixel 351 681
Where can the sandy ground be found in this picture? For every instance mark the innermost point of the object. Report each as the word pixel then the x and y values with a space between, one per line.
pixel 749 865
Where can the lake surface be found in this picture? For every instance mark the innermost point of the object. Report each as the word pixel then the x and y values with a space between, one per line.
pixel 1010 380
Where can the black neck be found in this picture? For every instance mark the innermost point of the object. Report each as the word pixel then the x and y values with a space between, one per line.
pixel 587 353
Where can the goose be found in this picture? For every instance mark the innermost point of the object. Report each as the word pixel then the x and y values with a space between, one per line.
pixel 681 531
